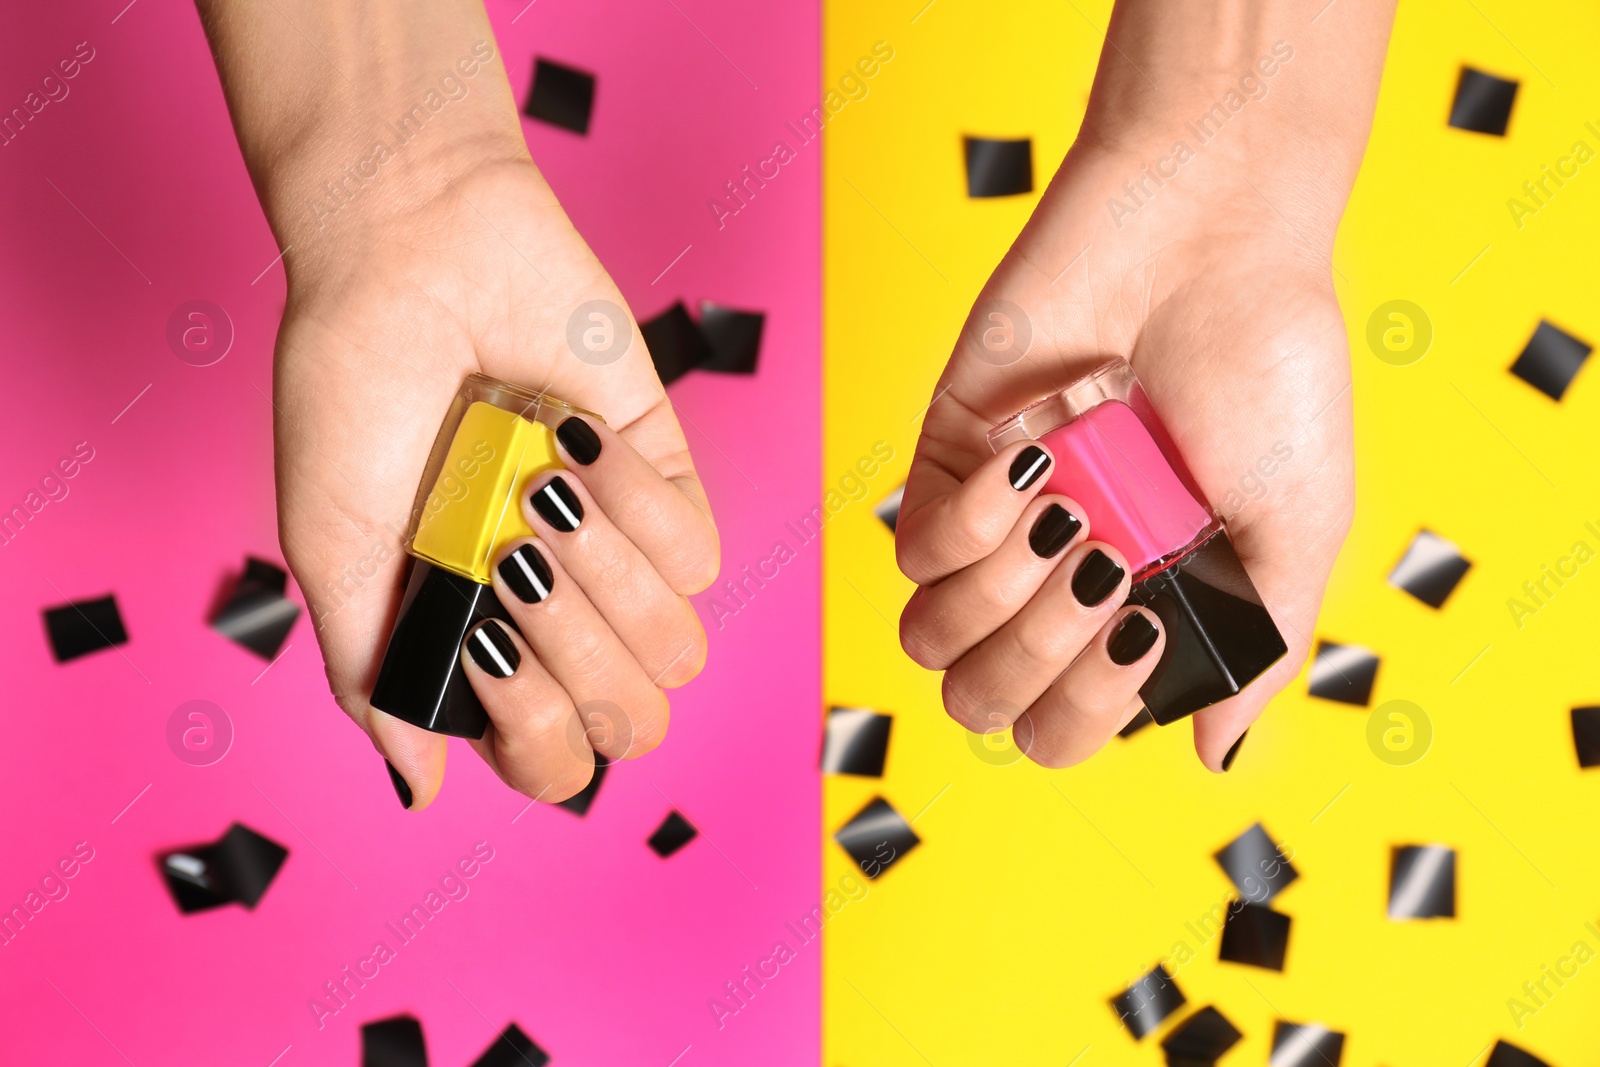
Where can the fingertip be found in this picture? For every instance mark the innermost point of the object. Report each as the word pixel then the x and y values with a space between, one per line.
pixel 1134 636
pixel 1028 465
pixel 413 757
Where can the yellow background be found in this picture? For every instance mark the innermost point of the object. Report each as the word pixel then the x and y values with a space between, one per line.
pixel 1036 896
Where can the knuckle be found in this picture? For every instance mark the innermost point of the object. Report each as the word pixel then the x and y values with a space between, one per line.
pixel 925 651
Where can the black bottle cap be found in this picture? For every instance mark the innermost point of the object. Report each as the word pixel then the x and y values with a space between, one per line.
pixel 1220 637
pixel 421 680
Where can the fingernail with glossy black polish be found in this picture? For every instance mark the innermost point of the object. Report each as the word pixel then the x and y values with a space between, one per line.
pixel 1227 761
pixel 579 439
pixel 1133 637
pixel 1028 467
pixel 491 648
pixel 558 505
pixel 528 574
pixel 1052 530
pixel 401 789
pixel 1097 578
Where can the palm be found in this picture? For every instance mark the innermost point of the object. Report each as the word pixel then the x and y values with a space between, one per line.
pixel 480 280
pixel 1240 345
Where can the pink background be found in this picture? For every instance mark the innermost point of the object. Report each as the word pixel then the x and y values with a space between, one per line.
pixel 601 951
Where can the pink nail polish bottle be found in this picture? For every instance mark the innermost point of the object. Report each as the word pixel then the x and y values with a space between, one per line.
pixel 1116 460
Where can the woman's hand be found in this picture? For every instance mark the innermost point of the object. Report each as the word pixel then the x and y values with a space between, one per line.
pixel 457 258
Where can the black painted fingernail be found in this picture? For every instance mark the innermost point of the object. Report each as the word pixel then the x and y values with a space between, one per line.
pixel 558 505
pixel 492 649
pixel 1227 761
pixel 579 439
pixel 528 574
pixel 1133 637
pixel 1097 578
pixel 401 789
pixel 1052 530
pixel 1028 467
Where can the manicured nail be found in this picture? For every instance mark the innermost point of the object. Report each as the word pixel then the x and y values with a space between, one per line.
pixel 579 439
pixel 1052 530
pixel 558 505
pixel 528 574
pixel 1097 578
pixel 1133 637
pixel 1028 467
pixel 1227 761
pixel 492 649
pixel 401 789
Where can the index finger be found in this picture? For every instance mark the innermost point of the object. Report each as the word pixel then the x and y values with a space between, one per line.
pixel 967 521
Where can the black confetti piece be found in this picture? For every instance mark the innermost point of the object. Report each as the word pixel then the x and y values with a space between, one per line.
pixel 1586 735
pixel 237 868
pixel 1551 360
pixel 84 626
pixel 1305 1045
pixel 674 832
pixel 257 615
pixel 1344 673
pixel 1255 935
pixel 998 168
pixel 888 509
pixel 877 837
pixel 1256 866
pixel 857 742
pixel 1506 1054
pixel 734 337
pixel 1137 723
pixel 1430 570
pixel 1200 1039
pixel 580 802
pixel 1483 103
pixel 513 1048
pixel 562 96
pixel 1422 882
pixel 393 1042
pixel 677 344
pixel 1148 1002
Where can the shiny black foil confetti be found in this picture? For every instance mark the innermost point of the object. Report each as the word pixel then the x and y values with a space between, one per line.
pixel 998 168
pixel 734 337
pixel 674 832
pixel 856 742
pixel 257 615
pixel 580 802
pixel 1506 1054
pixel 1305 1045
pixel 513 1048
pixel 1255 935
pixel 1483 102
pixel 1256 867
pixel 1422 882
pixel 677 344
pixel 84 626
pixel 877 837
pixel 562 96
pixel 393 1042
pixel 1344 673
pixel 1137 723
pixel 888 509
pixel 1200 1039
pixel 1586 735
pixel 1551 359
pixel 1430 570
pixel 235 869
pixel 1147 1002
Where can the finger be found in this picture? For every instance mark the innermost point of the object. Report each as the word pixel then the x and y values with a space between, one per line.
pixel 414 756
pixel 956 529
pixel 1089 703
pixel 658 626
pixel 537 742
pixel 942 622
pixel 1219 729
pixel 1019 661
pixel 666 518
pixel 624 714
